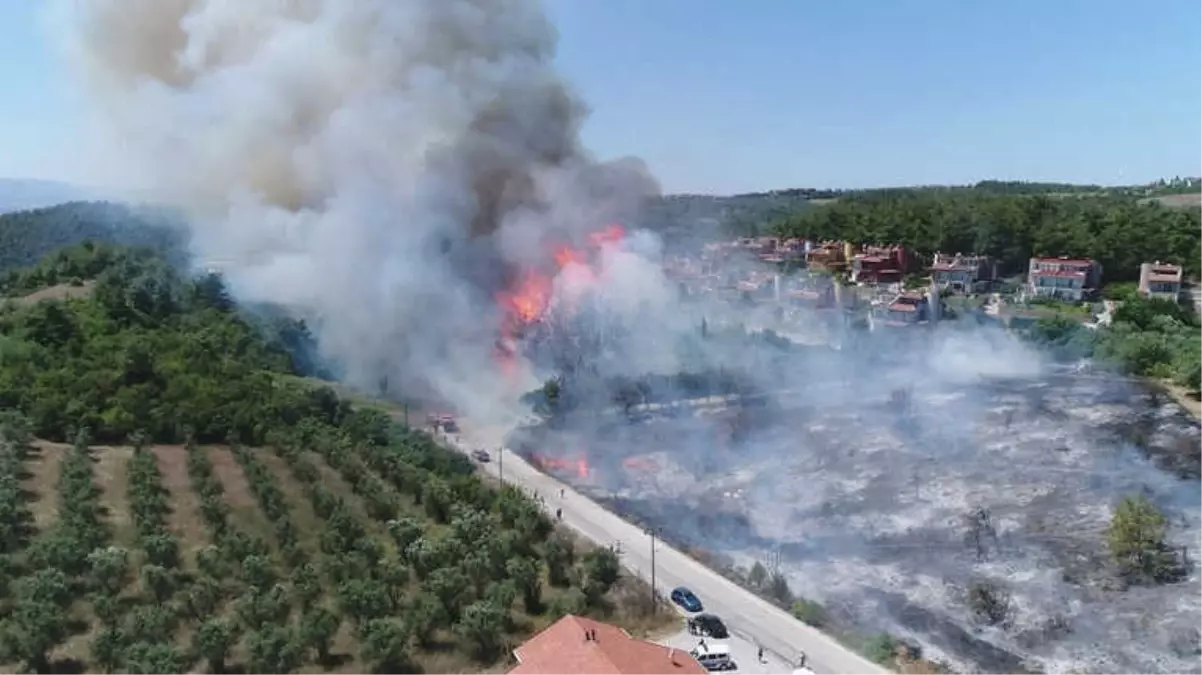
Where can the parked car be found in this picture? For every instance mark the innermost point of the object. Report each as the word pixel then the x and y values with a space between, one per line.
pixel 686 600
pixel 714 657
pixel 708 625
pixel 481 455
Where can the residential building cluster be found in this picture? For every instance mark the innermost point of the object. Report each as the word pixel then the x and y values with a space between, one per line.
pixel 892 282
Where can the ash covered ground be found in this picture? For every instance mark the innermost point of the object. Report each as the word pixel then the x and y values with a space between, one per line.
pixel 863 505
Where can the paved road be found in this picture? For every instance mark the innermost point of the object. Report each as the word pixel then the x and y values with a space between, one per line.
pixel 743 652
pixel 744 613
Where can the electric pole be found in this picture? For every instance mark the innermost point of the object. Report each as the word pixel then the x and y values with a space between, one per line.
pixel 500 467
pixel 654 596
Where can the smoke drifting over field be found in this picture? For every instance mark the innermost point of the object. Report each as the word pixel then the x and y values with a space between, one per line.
pixel 388 166
pixel 863 502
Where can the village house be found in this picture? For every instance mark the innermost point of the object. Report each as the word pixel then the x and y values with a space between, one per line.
pixel 1069 279
pixel 906 309
pixel 881 264
pixel 576 645
pixel 963 273
pixel 830 256
pixel 1160 280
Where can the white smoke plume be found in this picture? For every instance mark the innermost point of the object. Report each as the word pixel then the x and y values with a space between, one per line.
pixel 383 164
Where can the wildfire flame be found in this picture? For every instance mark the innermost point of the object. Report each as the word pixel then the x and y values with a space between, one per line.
pixel 555 464
pixel 526 302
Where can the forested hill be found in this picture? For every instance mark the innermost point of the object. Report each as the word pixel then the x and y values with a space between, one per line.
pixel 26 237
pixel 1119 231
pixel 684 216
pixel 148 349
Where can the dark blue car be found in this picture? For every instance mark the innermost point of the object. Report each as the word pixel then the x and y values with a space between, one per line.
pixel 685 598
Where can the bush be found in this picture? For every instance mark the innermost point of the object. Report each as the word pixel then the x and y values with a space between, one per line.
pixel 1137 542
pixel 809 612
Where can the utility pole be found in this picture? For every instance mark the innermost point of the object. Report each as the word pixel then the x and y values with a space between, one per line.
pixel 500 467
pixel 654 596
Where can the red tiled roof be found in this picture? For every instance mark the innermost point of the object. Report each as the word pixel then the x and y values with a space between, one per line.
pixel 561 648
pixel 903 307
pixel 1067 274
pixel 1164 277
pixel 1065 261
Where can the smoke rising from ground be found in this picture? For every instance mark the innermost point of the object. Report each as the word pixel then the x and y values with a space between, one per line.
pixel 384 165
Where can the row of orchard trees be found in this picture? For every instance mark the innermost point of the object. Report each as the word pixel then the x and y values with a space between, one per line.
pixel 453 559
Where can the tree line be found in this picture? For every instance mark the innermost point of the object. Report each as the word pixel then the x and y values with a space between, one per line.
pixel 1119 232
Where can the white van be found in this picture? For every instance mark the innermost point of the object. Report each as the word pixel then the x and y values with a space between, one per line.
pixel 713 656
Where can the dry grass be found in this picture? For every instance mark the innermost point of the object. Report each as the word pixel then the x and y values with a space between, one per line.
pixel 1190 400
pixel 1192 200
pixel 244 509
pixel 110 469
pixel 335 484
pixel 43 465
pixel 57 292
pixel 307 523
pixel 185 520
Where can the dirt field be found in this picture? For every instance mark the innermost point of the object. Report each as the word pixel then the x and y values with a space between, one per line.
pixel 59 292
pixel 1180 201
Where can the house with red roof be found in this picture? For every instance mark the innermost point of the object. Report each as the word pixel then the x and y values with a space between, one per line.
pixel 1070 279
pixel 576 645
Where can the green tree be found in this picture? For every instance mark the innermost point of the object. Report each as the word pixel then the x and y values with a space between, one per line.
pixel 384 643
pixel 34 628
pixel 214 640
pixel 318 627
pixel 425 615
pixel 559 555
pixel 156 657
pixel 482 625
pixel 524 572
pixel 600 571
pixel 1137 541
pixel 274 649
pixel 108 649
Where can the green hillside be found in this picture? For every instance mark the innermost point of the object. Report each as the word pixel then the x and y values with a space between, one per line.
pixel 173 502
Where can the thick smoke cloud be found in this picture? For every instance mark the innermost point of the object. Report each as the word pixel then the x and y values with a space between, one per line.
pixel 383 164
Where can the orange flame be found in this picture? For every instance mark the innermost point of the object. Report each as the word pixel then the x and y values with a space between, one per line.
pixel 610 235
pixel 527 301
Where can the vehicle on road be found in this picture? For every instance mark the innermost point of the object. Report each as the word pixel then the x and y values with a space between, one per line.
pixel 713 657
pixel 686 600
pixel 481 455
pixel 708 625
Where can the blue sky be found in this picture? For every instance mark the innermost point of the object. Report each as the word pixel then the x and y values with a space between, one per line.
pixel 740 95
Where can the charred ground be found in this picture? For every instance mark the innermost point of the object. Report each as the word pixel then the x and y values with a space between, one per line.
pixel 864 502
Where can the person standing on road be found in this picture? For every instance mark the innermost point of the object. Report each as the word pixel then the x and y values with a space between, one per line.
pixel 561 493
pixel 558 514
pixel 759 654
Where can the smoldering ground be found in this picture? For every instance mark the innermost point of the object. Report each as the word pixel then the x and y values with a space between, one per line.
pixel 863 501
pixel 382 167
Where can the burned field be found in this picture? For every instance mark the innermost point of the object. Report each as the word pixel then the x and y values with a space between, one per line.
pixel 866 504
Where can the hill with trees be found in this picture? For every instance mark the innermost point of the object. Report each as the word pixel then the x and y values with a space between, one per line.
pixel 174 498
pixel 26 237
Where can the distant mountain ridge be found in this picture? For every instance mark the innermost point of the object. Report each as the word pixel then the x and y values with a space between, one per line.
pixel 28 235
pixel 22 194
